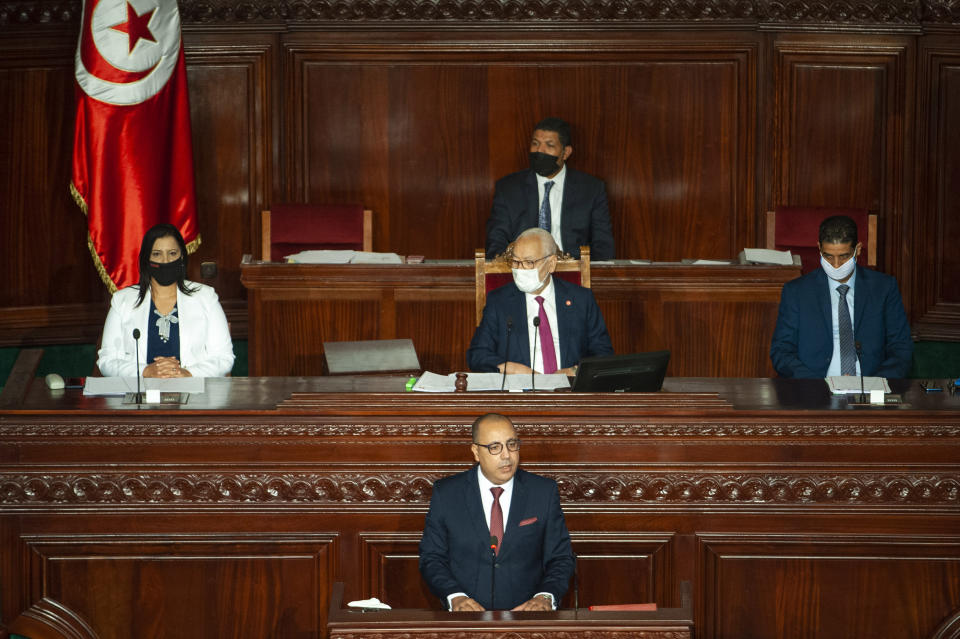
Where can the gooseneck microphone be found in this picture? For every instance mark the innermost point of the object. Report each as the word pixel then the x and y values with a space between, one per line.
pixel 533 364
pixel 494 542
pixel 506 357
pixel 860 369
pixel 136 341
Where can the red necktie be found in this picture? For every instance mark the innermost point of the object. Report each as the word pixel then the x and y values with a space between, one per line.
pixel 496 516
pixel 546 341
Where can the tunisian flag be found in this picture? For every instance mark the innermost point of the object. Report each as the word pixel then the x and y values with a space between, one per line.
pixel 132 159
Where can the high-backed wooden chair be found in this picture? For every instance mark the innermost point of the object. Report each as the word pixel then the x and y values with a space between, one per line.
pixel 491 274
pixel 290 228
pixel 796 228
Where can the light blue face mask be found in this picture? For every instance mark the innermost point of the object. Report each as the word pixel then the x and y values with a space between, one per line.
pixel 840 273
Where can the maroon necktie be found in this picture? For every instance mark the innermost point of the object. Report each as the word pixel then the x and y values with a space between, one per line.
pixel 546 341
pixel 496 516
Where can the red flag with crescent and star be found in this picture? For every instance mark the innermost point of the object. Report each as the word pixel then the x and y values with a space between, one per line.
pixel 132 154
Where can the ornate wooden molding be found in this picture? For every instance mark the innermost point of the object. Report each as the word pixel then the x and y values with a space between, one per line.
pixel 121 433
pixel 848 12
pixel 633 633
pixel 345 488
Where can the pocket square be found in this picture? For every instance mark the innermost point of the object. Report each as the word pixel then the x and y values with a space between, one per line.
pixel 527 521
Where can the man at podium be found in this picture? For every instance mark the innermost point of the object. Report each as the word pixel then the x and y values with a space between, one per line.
pixel 495 537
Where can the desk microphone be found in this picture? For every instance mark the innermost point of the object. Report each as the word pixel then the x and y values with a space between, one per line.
pixel 136 340
pixel 533 364
pixel 494 542
pixel 503 380
pixel 860 369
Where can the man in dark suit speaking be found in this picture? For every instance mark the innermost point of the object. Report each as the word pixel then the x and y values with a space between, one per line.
pixel 841 319
pixel 570 205
pixel 495 537
pixel 569 325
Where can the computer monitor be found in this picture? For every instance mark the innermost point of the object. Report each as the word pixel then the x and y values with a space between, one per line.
pixel 636 372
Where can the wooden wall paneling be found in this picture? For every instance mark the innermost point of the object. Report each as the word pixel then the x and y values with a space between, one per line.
pixel 162 585
pixel 45 258
pixel 230 110
pixel 759 578
pixel 669 125
pixel 441 322
pixel 841 128
pixel 936 230
pixel 390 567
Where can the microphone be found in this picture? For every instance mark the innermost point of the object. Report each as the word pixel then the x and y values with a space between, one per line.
pixel 494 542
pixel 503 380
pixel 533 364
pixel 860 368
pixel 136 340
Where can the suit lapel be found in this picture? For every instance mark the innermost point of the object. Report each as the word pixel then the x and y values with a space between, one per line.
pixel 860 301
pixel 517 508
pixel 532 208
pixel 567 325
pixel 474 506
pixel 822 295
pixel 143 319
pixel 519 350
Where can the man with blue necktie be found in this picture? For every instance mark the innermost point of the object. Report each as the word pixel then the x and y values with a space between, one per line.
pixel 841 319
pixel 495 537
pixel 537 322
pixel 568 204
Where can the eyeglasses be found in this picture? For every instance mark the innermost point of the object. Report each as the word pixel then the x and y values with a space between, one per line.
pixel 526 264
pixel 513 445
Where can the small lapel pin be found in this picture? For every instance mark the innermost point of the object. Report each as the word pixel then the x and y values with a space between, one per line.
pixel 569 303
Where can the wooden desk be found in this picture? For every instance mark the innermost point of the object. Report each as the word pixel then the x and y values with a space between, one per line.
pixel 716 320
pixel 790 514
pixel 346 623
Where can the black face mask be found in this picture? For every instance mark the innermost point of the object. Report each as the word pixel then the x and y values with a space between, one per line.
pixel 543 163
pixel 168 273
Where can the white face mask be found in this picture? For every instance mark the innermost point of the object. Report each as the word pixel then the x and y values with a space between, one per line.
pixel 840 273
pixel 528 279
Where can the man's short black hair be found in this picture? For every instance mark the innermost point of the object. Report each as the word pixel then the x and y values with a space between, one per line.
pixel 838 229
pixel 558 126
pixel 479 420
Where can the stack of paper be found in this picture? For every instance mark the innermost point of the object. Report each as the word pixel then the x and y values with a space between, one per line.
pixel 844 384
pixel 343 257
pixel 433 383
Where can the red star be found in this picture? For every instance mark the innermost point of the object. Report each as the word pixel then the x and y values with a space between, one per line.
pixel 137 26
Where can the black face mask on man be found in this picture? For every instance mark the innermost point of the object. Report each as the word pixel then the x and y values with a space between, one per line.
pixel 166 273
pixel 543 163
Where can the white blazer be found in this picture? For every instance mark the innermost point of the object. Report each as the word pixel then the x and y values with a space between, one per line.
pixel 206 349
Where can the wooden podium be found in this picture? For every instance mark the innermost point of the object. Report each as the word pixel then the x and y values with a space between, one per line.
pixel 665 623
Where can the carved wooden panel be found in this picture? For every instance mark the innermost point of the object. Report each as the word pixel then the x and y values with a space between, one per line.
pixel 936 228
pixel 840 128
pixel 229 85
pixel 163 585
pixel 760 577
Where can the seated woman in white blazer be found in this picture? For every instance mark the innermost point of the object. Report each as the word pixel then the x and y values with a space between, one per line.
pixel 182 329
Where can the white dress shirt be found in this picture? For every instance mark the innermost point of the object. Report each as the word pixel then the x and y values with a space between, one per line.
pixel 533 310
pixel 834 369
pixel 556 201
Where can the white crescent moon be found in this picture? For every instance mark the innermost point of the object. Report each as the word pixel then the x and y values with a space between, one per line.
pixel 113 46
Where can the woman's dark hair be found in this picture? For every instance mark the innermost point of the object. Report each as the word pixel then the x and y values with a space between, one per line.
pixel 151 236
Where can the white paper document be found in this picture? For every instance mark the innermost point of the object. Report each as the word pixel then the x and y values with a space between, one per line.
pixel 114 386
pixel 768 256
pixel 320 257
pixel 369 604
pixel 343 257
pixel 433 383
pixel 843 384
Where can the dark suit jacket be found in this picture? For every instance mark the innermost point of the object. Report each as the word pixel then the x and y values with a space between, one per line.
pixel 802 343
pixel 534 557
pixel 583 332
pixel 584 216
